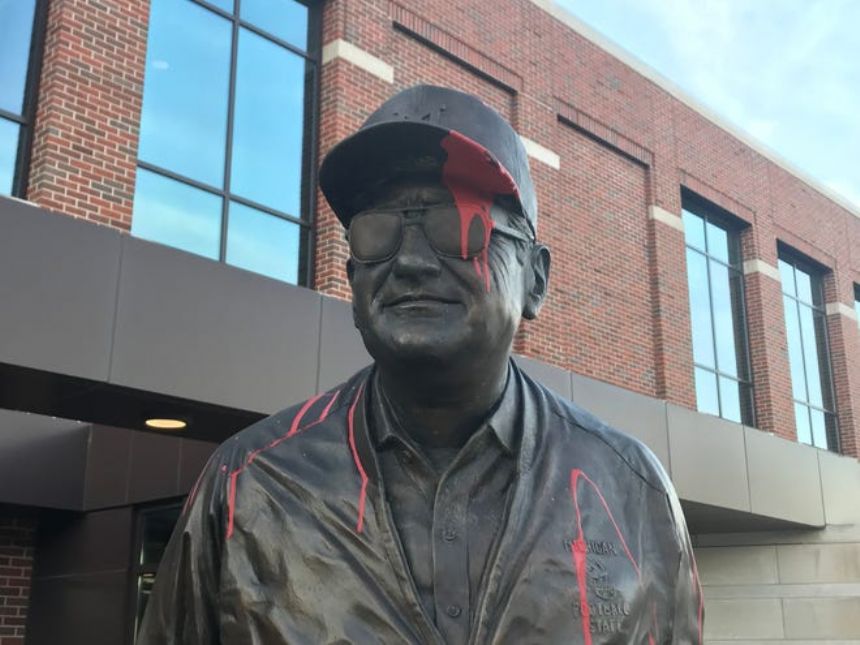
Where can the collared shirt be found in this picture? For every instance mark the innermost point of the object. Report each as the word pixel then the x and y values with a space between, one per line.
pixel 448 506
pixel 288 538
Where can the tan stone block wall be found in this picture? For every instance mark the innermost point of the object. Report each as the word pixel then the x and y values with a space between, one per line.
pixel 793 587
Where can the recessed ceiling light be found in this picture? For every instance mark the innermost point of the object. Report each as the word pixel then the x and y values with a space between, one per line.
pixel 166 424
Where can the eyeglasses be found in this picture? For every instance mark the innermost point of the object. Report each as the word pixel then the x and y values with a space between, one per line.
pixel 375 235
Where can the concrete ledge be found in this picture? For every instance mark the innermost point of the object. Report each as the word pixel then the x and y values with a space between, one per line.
pixel 542 154
pixel 784 478
pixel 838 475
pixel 350 53
pixel 665 217
pixel 222 343
pixel 837 308
pixel 760 266
pixel 708 459
pixel 714 592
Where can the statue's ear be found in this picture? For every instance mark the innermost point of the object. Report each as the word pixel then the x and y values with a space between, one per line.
pixel 537 281
pixel 350 270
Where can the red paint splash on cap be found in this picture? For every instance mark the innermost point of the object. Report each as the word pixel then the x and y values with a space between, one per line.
pixel 474 178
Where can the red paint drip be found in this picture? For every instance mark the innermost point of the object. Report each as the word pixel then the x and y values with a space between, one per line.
pixel 579 551
pixel 327 408
pixel 231 502
pixel 474 178
pixel 294 429
pixel 350 420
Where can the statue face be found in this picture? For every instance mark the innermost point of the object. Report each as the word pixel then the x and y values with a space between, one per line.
pixel 424 305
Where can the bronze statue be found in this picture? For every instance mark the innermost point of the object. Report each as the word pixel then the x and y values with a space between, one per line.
pixel 440 495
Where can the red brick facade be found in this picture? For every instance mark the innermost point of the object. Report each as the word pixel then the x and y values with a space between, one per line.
pixel 17 539
pixel 618 307
pixel 88 110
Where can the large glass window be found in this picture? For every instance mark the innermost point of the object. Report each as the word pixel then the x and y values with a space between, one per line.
pixel 715 281
pixel 18 69
pixel 806 333
pixel 226 132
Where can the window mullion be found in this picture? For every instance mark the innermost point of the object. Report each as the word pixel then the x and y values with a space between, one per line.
pixel 713 324
pixel 228 156
pixel 798 305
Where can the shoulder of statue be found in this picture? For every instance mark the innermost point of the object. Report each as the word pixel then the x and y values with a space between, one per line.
pixel 329 406
pixel 638 457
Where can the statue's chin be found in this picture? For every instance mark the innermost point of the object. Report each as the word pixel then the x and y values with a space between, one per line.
pixel 414 349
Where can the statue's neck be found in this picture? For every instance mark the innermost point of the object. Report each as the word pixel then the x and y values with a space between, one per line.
pixel 443 408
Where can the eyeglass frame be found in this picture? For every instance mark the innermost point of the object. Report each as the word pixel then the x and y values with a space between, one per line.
pixel 501 229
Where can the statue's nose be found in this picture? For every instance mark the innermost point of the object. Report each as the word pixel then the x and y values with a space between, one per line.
pixel 415 255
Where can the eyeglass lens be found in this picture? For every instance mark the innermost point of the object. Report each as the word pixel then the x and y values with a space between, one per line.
pixel 375 236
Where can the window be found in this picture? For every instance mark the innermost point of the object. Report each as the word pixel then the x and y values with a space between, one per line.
pixel 225 135
pixel 154 527
pixel 806 333
pixel 19 68
pixel 715 281
pixel 857 302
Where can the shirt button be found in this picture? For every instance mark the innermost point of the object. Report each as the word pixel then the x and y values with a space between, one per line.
pixel 453 611
pixel 449 534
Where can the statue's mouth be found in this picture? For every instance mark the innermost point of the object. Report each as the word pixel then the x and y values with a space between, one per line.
pixel 418 300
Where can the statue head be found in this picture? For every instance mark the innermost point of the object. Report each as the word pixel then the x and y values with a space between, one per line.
pixel 437 199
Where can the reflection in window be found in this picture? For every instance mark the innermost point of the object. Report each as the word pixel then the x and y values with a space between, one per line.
pixel 166 209
pixel 808 356
pixel 715 282
pixel 155 525
pixel 225 133
pixel 17 20
pixel 262 243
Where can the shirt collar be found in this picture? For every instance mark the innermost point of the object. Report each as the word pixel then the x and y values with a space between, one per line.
pixel 385 428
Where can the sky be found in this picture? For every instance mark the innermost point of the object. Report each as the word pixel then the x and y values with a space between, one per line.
pixel 787 72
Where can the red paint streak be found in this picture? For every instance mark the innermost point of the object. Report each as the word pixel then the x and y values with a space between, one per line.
pixel 327 408
pixel 294 430
pixel 579 551
pixel 630 557
pixel 474 178
pixel 231 502
pixel 350 421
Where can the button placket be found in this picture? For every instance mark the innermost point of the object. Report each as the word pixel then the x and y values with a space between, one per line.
pixel 450 558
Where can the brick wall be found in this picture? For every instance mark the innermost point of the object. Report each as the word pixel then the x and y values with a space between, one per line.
pixel 618 305
pixel 88 112
pixel 17 539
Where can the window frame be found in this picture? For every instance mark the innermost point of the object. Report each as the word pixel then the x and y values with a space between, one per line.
pixel 857 303
pixel 816 273
pixel 136 569
pixel 733 226
pixel 306 221
pixel 27 119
